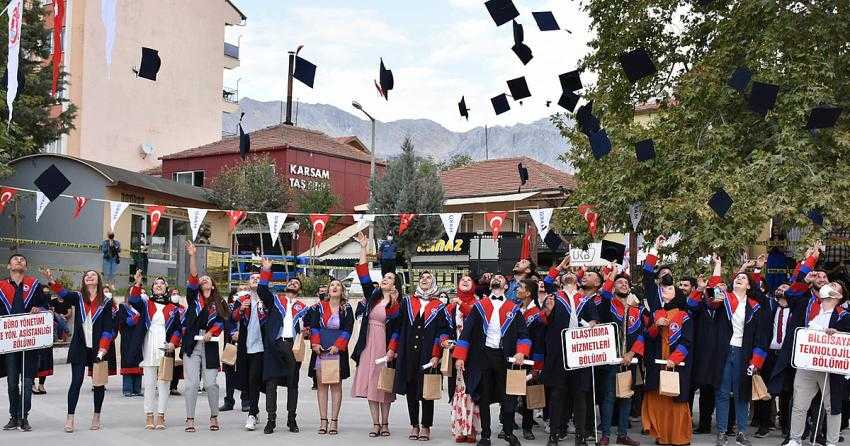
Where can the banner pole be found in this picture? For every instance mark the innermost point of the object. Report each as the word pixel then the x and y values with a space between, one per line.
pixel 23 381
pixel 593 394
pixel 820 405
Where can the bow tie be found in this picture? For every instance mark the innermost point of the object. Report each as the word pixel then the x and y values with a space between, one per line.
pixel 497 297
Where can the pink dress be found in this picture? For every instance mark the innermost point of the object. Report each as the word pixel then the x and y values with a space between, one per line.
pixel 367 373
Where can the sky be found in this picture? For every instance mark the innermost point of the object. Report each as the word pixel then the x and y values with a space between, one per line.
pixel 438 50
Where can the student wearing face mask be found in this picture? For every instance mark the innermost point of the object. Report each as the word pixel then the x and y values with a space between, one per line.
pixel 387 255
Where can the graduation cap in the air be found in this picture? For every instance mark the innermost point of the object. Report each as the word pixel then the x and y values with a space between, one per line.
pixel 519 88
pixel 720 202
pixel 568 100
pixel 823 117
pixel 500 103
pixel 519 35
pixel 546 21
pixel 464 112
pixel 762 97
pixel 521 49
pixel 637 65
pixel 815 216
pixel 645 150
pixel 151 62
pixel 386 82
pixel 244 139
pixel 740 79
pixel 502 11
pixel 305 71
pixel 52 182
pixel 553 241
pixel 613 251
pixel 600 145
pixel 523 174
pixel 570 81
pixel 588 123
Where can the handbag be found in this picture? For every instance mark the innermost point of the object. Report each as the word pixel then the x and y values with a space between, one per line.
pixel 166 369
pixel 669 383
pixel 760 392
pixel 446 366
pixel 432 386
pixel 535 396
pixel 329 370
pixel 515 382
pixel 386 380
pixel 100 373
pixel 298 348
pixel 228 356
pixel 624 384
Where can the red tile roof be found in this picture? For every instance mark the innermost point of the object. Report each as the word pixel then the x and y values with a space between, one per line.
pixel 353 141
pixel 275 138
pixel 153 171
pixel 499 176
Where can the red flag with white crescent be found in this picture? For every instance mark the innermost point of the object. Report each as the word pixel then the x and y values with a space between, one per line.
pixel 527 240
pixel 405 221
pixel 590 217
pixel 58 24
pixel 6 195
pixel 155 213
pixel 236 217
pixel 496 219
pixel 319 222
pixel 79 204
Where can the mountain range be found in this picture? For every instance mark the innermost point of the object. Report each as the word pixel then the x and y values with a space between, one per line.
pixel 539 140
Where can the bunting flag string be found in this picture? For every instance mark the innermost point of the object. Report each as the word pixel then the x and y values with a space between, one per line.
pixel 116 209
pixel 319 222
pixel 405 220
pixel 276 220
pixel 155 213
pixel 496 219
pixel 79 204
pixel 196 218
pixel 6 195
pixel 41 202
pixel 451 223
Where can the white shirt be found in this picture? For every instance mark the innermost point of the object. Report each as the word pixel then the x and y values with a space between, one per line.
pixel 821 321
pixel 494 328
pixel 775 340
pixel 738 323
pixel 422 304
pixel 254 343
pixel 287 331
pixel 155 338
pixel 573 311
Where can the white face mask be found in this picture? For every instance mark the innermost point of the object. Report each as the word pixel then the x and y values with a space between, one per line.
pixel 107 295
pixel 175 299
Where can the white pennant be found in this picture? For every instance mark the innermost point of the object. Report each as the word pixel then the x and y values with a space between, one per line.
pixel 635 214
pixel 363 220
pixel 451 223
pixel 196 218
pixel 16 17
pixel 107 16
pixel 276 220
pixel 541 219
pixel 41 203
pixel 116 209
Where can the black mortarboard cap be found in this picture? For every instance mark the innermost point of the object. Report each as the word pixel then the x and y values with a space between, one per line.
pixel 637 65
pixel 52 182
pixel 570 81
pixel 645 150
pixel 464 112
pixel 519 35
pixel 523 173
pixel 600 145
pixel 553 241
pixel 588 123
pixel 523 52
pixel 502 11
pixel 244 139
pixel 613 251
pixel 519 88
pixel 386 80
pixel 816 217
pixel 740 79
pixel 500 103
pixel 150 64
pixel 546 21
pixel 763 97
pixel 568 100
pixel 823 117
pixel 305 71
pixel 720 203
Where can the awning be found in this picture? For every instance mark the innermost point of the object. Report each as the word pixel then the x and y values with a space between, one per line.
pixel 471 200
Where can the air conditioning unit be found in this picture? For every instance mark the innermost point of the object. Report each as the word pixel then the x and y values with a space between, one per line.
pixel 146 149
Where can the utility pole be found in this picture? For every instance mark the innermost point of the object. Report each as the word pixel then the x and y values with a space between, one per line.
pixel 289 88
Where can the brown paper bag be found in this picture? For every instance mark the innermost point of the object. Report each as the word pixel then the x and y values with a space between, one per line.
pixel 624 384
pixel 100 373
pixel 535 396
pixel 228 356
pixel 178 357
pixel 515 382
pixel 386 380
pixel 330 371
pixel 298 348
pixel 760 392
pixel 432 386
pixel 669 383
pixel 446 364
pixel 166 369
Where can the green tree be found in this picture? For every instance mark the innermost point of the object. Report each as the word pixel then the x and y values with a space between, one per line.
pixel 251 184
pixel 319 198
pixel 410 185
pixel 33 124
pixel 705 135
pixel 455 161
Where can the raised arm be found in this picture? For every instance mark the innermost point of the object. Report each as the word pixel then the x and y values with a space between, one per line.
pixel 650 288
pixel 554 272
pixel 263 292
pixel 192 285
pixel 363 268
pixel 58 290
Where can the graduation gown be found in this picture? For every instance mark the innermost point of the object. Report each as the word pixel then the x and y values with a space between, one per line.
pixel 103 328
pixel 364 308
pixel 198 316
pixel 680 335
pixel 21 299
pixel 320 314
pixel 416 338
pixel 278 360
pixel 135 319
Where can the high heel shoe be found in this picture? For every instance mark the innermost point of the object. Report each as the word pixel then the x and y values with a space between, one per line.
pixel 376 432
pixel 69 424
pixel 323 426
pixel 414 433
pixel 334 431
pixel 95 422
pixel 160 422
pixel 385 430
pixel 149 425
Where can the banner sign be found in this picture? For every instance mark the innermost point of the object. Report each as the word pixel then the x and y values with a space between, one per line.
pixel 26 332
pixel 815 350
pixel 589 346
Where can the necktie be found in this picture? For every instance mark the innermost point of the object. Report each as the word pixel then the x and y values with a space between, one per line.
pixel 779 326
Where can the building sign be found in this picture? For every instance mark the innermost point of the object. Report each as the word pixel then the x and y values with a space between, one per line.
pixel 818 351
pixel 589 346
pixel 26 332
pixel 459 246
pixel 306 173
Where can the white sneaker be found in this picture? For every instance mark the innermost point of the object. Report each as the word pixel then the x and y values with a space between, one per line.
pixel 793 443
pixel 251 424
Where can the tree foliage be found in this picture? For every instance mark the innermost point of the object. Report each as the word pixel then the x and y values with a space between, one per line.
pixel 34 125
pixel 318 199
pixel 251 184
pixel 410 184
pixel 705 135
pixel 455 161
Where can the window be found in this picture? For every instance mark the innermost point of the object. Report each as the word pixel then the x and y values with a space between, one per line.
pixel 466 223
pixel 195 178
pixel 160 245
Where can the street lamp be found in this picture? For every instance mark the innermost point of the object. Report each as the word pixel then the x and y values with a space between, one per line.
pixel 237 89
pixel 357 105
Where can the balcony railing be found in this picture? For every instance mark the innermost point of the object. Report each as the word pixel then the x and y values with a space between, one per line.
pixel 230 95
pixel 231 50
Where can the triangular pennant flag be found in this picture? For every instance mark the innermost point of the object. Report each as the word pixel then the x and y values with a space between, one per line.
pixel 276 220
pixel 116 209
pixel 364 220
pixel 319 222
pixel 235 218
pixel 496 219
pixel 541 219
pixel 590 217
pixel 196 218
pixel 155 212
pixel 405 220
pixel 6 195
pixel 451 223
pixel 635 214
pixel 41 202
pixel 15 19
pixel 79 204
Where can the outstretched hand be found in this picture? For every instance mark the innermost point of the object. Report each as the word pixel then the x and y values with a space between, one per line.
pixel 266 264
pixel 361 239
pixel 191 249
pixel 46 273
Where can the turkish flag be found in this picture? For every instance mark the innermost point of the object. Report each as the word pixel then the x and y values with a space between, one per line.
pixel 79 204
pixel 236 217
pixel 496 219
pixel 590 217
pixel 405 221
pixel 155 213
pixel 58 24
pixel 6 195
pixel 319 222
pixel 529 237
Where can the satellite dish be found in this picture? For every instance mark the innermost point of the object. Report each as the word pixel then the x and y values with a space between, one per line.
pixel 146 150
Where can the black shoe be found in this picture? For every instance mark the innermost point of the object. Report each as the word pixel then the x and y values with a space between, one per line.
pixel 562 436
pixel 580 440
pixel 12 424
pixel 702 430
pixel 762 432
pixel 25 425
pixel 270 425
pixel 721 439
pixel 742 440
pixel 226 407
pixel 484 441
pixel 786 440
pixel 501 435
pixel 291 423
pixel 553 440
pixel 527 434
pixel 512 440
